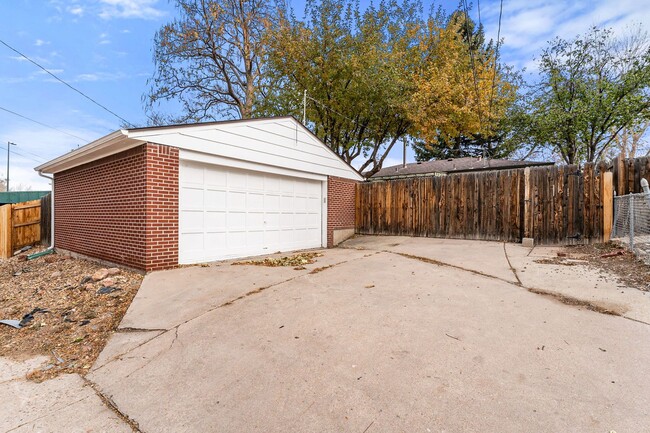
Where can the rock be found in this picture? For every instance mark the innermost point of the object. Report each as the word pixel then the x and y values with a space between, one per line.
pixel 560 254
pixel 100 274
pixel 52 258
pixel 89 286
pixel 108 282
pixel 22 258
pixel 85 280
pixel 114 271
pixel 106 290
pixel 56 274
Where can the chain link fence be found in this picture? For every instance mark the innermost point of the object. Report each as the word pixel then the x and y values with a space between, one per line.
pixel 632 223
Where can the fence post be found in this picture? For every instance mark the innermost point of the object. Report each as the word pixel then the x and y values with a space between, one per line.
pixel 5 232
pixel 607 196
pixel 527 207
pixel 631 212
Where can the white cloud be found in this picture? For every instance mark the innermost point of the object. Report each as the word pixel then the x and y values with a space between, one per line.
pixel 101 76
pixel 528 25
pixel 40 42
pixel 103 39
pixel 143 9
pixel 76 10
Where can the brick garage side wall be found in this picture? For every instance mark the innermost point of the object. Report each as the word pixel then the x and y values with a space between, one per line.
pixel 99 208
pixel 340 206
pixel 162 207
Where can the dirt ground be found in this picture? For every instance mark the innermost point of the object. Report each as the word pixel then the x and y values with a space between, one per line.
pixel 73 320
pixel 608 258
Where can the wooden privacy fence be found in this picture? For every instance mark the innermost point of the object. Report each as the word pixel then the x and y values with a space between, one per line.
pixel 20 225
pixel 556 204
pixel 628 173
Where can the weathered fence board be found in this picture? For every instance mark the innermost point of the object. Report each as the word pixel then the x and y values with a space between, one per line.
pixel 551 204
pixel 628 172
pixel 20 225
pixel 468 206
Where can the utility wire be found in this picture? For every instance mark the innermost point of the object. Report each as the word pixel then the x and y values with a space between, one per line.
pixel 473 63
pixel 40 160
pixel 339 114
pixel 43 124
pixel 496 60
pixel 68 85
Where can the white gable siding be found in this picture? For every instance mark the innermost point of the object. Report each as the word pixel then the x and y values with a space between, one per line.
pixel 276 142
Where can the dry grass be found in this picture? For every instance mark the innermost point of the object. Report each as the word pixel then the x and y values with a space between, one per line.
pixel 78 321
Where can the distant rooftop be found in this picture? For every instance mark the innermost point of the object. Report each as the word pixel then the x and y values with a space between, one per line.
pixel 452 165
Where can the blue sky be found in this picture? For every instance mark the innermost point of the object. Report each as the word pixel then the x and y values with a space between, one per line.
pixel 104 48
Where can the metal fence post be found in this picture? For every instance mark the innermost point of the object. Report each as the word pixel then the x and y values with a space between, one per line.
pixel 631 211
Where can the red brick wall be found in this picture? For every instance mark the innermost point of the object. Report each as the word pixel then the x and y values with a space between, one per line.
pixel 162 207
pixel 340 205
pixel 122 209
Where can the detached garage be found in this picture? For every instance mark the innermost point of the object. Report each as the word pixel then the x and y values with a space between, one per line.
pixel 153 198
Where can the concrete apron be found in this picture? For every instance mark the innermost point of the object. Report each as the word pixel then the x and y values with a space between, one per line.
pixel 380 341
pixel 62 404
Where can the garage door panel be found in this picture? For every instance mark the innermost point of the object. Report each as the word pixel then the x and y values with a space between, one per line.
pixel 192 220
pixel 272 202
pixel 215 178
pixel 236 220
pixel 236 200
pixel 215 220
pixel 191 198
pixel 255 183
pixel 226 212
pixel 272 184
pixel 255 201
pixel 215 199
pixel 255 221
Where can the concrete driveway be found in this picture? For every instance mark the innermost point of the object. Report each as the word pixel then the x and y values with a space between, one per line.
pixel 386 334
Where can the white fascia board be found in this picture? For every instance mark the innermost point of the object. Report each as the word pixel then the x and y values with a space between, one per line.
pixel 108 145
pixel 207 158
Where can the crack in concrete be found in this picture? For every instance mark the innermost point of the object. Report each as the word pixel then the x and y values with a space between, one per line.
pixel 599 307
pixel 111 405
pixel 512 268
pixel 225 304
pixel 449 265
pixel 128 329
pixel 45 415
pixel 120 355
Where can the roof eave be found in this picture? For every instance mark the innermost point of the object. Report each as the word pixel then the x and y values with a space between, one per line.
pixel 110 144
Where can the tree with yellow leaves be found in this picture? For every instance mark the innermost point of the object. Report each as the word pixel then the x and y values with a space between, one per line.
pixel 461 94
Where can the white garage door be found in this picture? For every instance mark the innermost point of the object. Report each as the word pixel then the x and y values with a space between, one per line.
pixel 227 212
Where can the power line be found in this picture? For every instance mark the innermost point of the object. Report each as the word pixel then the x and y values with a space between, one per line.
pixel 473 63
pixel 40 160
pixel 339 114
pixel 43 124
pixel 68 85
pixel 496 59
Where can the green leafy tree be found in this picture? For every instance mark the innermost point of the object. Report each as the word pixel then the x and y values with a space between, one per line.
pixel 591 88
pixel 208 60
pixel 354 66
